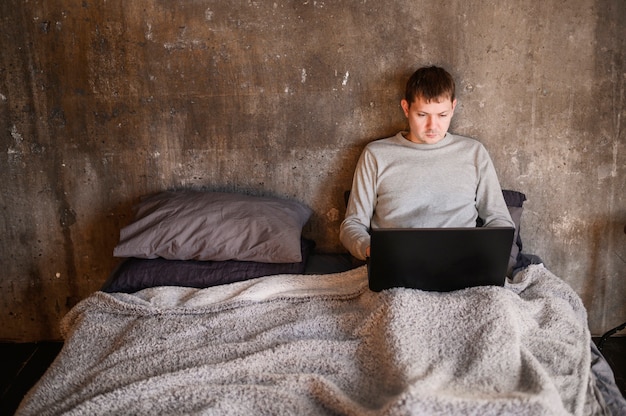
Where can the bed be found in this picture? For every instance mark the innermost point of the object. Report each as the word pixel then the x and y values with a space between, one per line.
pixel 222 307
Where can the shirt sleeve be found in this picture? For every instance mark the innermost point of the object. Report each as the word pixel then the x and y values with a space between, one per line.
pixel 490 202
pixel 354 230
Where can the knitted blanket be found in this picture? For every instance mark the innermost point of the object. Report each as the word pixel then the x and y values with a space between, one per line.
pixel 314 345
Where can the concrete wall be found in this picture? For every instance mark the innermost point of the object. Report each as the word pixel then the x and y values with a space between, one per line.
pixel 104 101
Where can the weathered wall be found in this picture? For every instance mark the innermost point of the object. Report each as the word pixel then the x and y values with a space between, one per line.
pixel 104 101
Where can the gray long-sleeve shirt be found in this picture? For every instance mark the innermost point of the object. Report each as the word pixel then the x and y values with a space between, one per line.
pixel 401 184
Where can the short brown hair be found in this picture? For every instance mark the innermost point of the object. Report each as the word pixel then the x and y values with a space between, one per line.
pixel 430 83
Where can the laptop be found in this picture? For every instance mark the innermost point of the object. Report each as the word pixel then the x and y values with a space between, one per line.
pixel 439 259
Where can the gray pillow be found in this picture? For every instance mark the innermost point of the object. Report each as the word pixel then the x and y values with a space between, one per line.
pixel 194 225
pixel 515 203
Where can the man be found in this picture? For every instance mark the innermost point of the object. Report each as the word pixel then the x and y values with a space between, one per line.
pixel 424 177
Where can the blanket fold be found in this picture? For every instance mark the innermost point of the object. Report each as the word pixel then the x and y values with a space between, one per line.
pixel 325 344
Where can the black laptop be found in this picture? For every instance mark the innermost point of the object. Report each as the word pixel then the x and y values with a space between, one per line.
pixel 439 259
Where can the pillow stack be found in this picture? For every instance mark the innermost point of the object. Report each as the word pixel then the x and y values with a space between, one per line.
pixel 229 236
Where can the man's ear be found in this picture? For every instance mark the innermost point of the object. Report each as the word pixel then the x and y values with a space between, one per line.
pixel 453 104
pixel 405 106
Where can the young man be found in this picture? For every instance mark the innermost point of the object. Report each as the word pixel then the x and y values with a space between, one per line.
pixel 424 177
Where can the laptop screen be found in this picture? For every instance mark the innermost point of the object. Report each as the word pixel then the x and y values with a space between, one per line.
pixel 439 259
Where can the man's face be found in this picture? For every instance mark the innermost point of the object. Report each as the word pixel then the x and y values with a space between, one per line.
pixel 428 121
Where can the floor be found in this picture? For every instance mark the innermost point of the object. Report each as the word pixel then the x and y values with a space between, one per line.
pixel 614 351
pixel 21 365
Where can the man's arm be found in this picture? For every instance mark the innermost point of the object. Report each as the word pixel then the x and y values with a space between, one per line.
pixel 354 230
pixel 490 202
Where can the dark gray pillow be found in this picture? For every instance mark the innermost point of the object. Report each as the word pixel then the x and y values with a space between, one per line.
pixel 217 226
pixel 134 274
pixel 515 203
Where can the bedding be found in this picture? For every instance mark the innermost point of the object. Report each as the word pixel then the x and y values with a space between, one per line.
pixel 199 225
pixel 325 344
pixel 134 274
pixel 515 204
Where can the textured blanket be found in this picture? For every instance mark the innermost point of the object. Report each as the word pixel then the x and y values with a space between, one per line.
pixel 311 345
